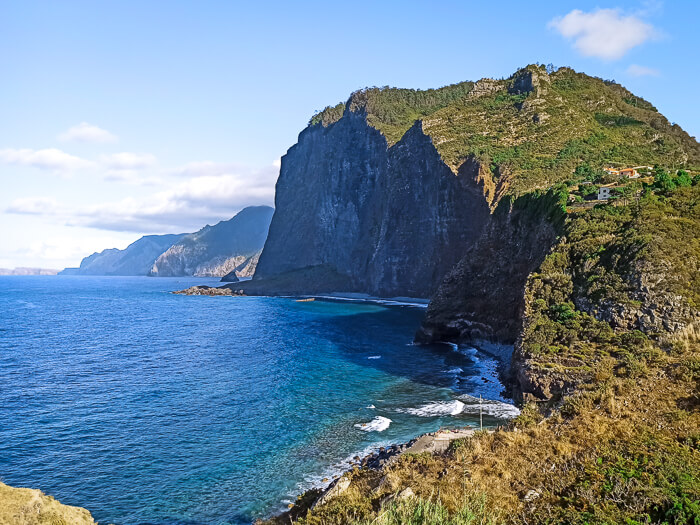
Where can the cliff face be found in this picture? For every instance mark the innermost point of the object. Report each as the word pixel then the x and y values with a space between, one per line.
pixel 392 219
pixel 135 259
pixel 389 190
pixel 215 251
pixel 482 297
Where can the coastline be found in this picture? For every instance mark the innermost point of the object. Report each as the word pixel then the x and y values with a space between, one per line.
pixel 375 458
pixel 234 290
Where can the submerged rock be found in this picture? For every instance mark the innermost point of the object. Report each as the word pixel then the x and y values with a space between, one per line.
pixel 209 290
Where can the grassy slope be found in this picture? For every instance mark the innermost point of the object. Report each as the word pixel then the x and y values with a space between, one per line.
pixel 623 444
pixel 533 138
pixel 32 507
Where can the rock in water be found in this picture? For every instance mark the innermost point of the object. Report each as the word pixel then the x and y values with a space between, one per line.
pixel 230 277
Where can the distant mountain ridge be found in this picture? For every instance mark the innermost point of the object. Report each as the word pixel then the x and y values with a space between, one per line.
pixel 213 251
pixel 135 259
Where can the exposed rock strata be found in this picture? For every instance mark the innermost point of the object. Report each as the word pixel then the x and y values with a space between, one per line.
pixel 392 220
pixel 482 297
pixel 215 251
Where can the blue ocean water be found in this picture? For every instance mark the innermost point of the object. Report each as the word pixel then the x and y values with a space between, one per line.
pixel 149 407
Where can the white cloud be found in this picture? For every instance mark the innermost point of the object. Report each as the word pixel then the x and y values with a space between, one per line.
pixel 642 71
pixel 34 206
pixel 65 250
pixel 186 206
pixel 45 159
pixel 128 161
pixel 603 33
pixel 133 177
pixel 85 132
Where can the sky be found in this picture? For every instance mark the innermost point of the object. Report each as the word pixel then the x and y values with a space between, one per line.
pixel 125 118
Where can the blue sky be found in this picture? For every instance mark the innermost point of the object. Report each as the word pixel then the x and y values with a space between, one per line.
pixel 125 118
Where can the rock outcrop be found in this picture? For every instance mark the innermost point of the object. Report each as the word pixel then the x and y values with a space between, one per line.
pixel 482 298
pixel 215 251
pixel 392 188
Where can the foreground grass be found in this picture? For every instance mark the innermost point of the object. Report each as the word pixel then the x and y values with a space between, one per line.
pixel 20 506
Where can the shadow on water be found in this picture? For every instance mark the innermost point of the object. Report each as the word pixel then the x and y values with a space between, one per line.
pixel 383 340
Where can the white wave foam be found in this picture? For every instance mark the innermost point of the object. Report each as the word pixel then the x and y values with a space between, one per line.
pixel 455 370
pixel 439 408
pixel 374 357
pixel 490 407
pixel 378 424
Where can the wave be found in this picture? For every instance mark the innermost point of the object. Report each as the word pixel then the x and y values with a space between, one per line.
pixel 378 424
pixel 374 357
pixel 439 408
pixel 490 407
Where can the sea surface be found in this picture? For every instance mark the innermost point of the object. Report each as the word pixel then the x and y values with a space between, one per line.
pixel 152 408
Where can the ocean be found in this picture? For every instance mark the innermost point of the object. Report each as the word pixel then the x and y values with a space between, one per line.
pixel 152 408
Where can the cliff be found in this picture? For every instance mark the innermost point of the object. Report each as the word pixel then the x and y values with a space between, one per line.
pixel 388 191
pixel 387 218
pixel 31 507
pixel 600 302
pixel 135 259
pixel 215 251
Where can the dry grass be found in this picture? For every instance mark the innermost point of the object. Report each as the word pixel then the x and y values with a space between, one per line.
pixel 20 506
pixel 619 451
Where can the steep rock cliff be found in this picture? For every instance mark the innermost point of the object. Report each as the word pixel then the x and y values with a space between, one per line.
pixel 482 297
pixel 393 219
pixel 389 190
pixel 215 251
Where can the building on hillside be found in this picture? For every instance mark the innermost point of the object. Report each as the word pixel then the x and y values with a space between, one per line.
pixel 611 171
pixel 630 173
pixel 604 192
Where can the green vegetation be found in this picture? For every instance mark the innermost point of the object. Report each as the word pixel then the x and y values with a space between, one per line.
pixel 393 111
pixel 535 138
pixel 615 440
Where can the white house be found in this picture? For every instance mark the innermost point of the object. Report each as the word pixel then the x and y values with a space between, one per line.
pixel 604 192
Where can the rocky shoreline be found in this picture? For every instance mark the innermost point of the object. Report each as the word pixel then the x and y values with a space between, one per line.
pixel 433 442
pixel 210 290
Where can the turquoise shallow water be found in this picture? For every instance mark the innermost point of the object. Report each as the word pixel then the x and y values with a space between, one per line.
pixel 147 407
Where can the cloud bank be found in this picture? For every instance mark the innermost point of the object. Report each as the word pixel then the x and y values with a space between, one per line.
pixel 43 159
pixel 603 33
pixel 187 206
pixel 85 132
pixel 642 71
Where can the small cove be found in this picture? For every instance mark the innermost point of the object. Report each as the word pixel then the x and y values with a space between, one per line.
pixel 147 407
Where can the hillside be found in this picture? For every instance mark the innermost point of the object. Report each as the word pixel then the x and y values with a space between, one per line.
pixel 135 259
pixel 601 302
pixel 391 189
pixel 214 251
pixel 607 365
pixel 32 507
